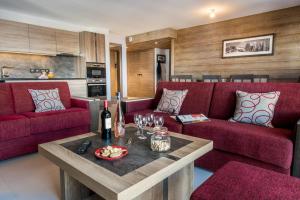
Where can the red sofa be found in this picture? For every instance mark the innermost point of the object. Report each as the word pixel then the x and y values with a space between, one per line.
pixel 21 129
pixel 270 148
pixel 242 181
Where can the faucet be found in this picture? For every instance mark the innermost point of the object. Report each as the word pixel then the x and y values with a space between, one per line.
pixel 2 74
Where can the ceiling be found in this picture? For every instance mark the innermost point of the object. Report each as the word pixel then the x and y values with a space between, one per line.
pixel 129 17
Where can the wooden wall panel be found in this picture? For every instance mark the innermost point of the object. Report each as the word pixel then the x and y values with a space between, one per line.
pixel 140 62
pixel 198 50
pixel 113 73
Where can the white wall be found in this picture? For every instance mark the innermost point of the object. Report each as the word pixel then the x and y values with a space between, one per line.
pixel 121 40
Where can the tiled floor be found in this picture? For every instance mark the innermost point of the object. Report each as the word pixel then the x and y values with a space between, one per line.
pixel 33 177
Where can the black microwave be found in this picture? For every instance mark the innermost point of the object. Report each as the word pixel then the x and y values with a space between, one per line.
pixel 95 70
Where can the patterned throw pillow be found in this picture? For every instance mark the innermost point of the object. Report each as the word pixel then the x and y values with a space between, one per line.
pixel 255 108
pixel 171 101
pixel 46 100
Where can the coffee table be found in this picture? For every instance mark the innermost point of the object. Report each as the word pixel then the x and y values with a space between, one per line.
pixel 142 174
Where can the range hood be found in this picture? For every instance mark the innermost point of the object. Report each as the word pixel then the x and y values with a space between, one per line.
pixel 66 54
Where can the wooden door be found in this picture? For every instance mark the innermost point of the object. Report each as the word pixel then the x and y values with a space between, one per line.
pixel 140 73
pixel 14 36
pixel 67 42
pixel 100 47
pixel 88 46
pixel 42 40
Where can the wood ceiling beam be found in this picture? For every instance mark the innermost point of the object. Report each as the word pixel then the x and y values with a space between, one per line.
pixel 152 35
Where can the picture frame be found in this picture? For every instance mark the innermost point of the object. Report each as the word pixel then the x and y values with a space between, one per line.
pixel 262 45
pixel 161 58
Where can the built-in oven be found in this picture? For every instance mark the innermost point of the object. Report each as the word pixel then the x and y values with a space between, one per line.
pixel 96 79
pixel 96 89
pixel 95 70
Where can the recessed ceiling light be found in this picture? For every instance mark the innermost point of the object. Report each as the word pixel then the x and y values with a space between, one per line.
pixel 212 13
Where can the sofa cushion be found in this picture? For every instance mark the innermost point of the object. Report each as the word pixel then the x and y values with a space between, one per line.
pixel 270 145
pixel 287 110
pixel 13 126
pixel 23 100
pixel 197 99
pixel 215 159
pixel 6 99
pixel 169 122
pixel 242 181
pixel 255 108
pixel 57 120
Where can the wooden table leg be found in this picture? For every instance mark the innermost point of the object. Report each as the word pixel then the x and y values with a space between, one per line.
pixel 180 184
pixel 71 189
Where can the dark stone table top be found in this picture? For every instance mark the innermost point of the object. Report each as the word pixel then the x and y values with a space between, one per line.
pixel 139 151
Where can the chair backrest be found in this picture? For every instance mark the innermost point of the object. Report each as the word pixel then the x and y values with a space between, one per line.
pixel 261 78
pixel 241 78
pixel 211 78
pixel 182 78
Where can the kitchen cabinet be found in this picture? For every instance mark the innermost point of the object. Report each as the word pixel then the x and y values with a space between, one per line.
pixel 100 48
pixel 42 40
pixel 92 46
pixel 67 42
pixel 13 36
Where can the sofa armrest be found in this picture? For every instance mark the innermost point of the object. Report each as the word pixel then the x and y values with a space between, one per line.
pixel 93 105
pixel 80 103
pixel 296 157
pixel 137 104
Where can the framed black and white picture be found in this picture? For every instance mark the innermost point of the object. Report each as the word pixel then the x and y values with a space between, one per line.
pixel 161 58
pixel 252 46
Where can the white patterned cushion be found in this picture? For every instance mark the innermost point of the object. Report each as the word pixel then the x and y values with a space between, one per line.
pixel 255 108
pixel 46 100
pixel 171 101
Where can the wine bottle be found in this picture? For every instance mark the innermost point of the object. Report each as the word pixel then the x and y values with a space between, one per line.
pixel 106 122
pixel 119 123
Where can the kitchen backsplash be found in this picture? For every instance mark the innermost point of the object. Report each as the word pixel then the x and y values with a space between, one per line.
pixel 62 66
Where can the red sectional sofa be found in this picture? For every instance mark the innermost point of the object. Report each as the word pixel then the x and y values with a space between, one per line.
pixel 21 129
pixel 242 181
pixel 270 148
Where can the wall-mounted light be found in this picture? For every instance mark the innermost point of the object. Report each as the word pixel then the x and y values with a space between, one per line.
pixel 130 38
pixel 155 42
pixel 212 13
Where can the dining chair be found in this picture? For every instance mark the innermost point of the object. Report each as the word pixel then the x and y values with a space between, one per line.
pixel 261 78
pixel 211 78
pixel 241 78
pixel 182 78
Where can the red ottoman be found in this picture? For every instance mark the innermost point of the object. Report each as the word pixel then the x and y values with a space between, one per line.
pixel 242 181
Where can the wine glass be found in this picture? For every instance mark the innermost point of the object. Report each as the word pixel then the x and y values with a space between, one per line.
pixel 150 120
pixel 143 123
pixel 158 122
pixel 136 120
